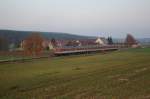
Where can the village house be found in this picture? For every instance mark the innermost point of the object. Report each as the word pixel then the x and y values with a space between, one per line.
pixel 98 41
pixel 82 42
pixel 48 44
pixel 101 41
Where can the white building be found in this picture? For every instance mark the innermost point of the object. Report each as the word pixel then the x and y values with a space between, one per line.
pixel 101 41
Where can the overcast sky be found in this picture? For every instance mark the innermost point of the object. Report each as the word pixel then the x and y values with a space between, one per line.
pixel 84 17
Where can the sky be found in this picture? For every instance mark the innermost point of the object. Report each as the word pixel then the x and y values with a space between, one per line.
pixel 103 18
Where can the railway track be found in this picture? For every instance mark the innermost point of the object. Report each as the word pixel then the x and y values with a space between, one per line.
pixel 87 49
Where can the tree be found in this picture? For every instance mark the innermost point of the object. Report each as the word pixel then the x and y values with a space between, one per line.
pixel 4 45
pixel 110 41
pixel 33 45
pixel 12 47
pixel 130 40
pixel 54 43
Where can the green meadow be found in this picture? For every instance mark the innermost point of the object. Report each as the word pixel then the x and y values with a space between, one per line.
pixel 123 74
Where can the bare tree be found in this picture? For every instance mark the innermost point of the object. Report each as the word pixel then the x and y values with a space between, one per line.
pixel 33 44
pixel 130 40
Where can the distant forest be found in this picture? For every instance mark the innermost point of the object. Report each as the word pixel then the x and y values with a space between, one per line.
pixel 16 37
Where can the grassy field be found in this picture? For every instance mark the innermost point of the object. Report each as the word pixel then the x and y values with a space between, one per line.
pixel 8 57
pixel 20 56
pixel 117 75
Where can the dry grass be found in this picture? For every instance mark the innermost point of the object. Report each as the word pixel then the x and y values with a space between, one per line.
pixel 117 75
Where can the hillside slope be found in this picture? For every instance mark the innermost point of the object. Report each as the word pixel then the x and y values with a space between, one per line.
pixel 17 36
